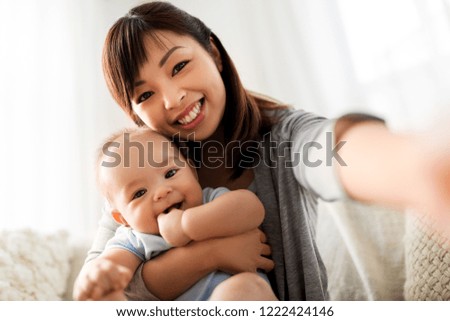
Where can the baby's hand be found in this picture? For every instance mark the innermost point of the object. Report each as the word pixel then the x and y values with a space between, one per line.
pixel 171 230
pixel 101 279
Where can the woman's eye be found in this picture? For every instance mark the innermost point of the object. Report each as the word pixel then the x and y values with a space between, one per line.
pixel 178 67
pixel 170 173
pixel 144 96
pixel 139 193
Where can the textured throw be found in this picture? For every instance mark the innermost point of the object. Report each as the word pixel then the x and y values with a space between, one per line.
pixel 427 263
pixel 33 266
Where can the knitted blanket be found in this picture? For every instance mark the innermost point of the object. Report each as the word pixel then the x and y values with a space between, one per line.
pixel 427 263
pixel 33 265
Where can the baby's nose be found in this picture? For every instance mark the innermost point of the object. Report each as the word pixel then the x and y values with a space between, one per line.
pixel 162 192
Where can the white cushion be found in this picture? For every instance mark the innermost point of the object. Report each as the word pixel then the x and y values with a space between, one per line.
pixel 34 266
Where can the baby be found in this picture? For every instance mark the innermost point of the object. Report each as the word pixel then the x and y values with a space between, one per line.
pixel 155 195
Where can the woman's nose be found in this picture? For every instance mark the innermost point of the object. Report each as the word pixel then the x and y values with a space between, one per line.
pixel 162 192
pixel 173 97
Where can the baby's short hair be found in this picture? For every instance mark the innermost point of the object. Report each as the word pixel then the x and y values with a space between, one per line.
pixel 114 138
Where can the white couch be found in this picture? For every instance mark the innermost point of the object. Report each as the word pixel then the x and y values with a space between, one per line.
pixel 38 266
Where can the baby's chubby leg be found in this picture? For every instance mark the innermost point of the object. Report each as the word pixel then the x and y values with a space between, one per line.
pixel 245 286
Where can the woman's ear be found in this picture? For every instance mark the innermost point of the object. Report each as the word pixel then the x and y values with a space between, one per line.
pixel 119 218
pixel 215 53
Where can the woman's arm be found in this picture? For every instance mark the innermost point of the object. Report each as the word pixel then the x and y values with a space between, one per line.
pixel 172 273
pixel 395 170
pixel 232 213
pixel 380 166
pixel 358 156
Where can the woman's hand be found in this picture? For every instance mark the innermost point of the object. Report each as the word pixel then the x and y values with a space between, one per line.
pixel 245 252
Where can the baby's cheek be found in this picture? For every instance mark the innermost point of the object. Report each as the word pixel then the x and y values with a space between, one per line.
pixel 199 200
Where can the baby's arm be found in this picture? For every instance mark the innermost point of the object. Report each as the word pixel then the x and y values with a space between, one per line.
pixel 109 273
pixel 232 213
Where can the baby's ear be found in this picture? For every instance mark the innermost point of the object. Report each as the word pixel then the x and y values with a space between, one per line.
pixel 118 217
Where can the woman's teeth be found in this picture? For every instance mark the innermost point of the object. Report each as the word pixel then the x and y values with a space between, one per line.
pixel 192 114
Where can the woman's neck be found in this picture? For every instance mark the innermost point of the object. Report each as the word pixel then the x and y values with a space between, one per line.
pixel 220 177
pixel 215 171
pixel 218 136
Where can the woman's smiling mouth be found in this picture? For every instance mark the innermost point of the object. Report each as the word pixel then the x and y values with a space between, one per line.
pixel 190 116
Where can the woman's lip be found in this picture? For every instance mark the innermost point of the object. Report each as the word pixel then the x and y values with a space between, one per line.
pixel 188 109
pixel 195 122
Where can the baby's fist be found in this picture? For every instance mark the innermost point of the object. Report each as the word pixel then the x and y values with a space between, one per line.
pixel 171 230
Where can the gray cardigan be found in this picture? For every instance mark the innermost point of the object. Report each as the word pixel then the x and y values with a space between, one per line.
pixel 288 181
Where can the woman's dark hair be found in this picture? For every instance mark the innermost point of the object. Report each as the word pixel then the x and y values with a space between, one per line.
pixel 124 54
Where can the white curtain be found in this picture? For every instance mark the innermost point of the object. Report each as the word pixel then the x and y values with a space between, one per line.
pixel 54 110
pixel 390 58
pixel 401 53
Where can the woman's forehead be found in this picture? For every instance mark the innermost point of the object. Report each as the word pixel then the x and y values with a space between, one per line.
pixel 165 36
pixel 163 40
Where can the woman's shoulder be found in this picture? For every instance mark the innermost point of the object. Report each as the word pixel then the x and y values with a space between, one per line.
pixel 278 113
pixel 292 117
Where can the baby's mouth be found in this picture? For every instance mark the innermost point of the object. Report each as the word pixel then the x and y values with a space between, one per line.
pixel 174 206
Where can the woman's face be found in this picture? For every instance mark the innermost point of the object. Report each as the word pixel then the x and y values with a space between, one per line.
pixel 180 89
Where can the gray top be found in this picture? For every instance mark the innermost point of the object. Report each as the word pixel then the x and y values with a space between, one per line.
pixel 288 180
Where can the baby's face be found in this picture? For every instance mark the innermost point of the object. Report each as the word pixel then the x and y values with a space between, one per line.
pixel 152 178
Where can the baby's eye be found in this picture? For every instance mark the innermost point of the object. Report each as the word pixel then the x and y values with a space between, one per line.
pixel 144 96
pixel 139 193
pixel 178 67
pixel 170 173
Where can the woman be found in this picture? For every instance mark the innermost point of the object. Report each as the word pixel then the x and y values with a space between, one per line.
pixel 169 72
